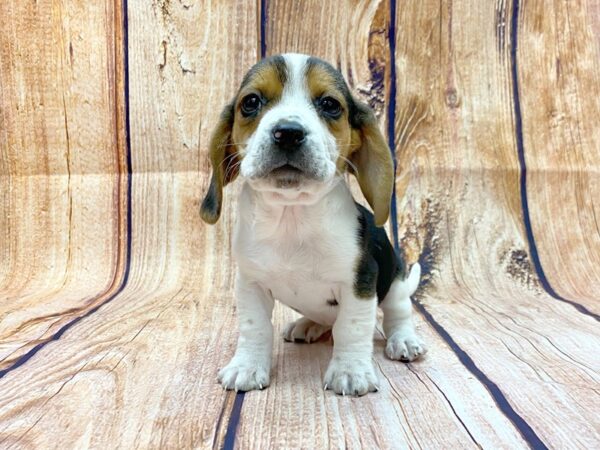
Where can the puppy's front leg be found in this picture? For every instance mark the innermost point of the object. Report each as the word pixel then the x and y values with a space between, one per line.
pixel 351 369
pixel 250 367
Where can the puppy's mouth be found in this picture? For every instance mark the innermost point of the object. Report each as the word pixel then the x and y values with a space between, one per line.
pixel 287 176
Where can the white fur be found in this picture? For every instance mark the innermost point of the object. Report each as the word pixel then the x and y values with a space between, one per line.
pixel 402 340
pixel 303 255
pixel 250 366
pixel 351 368
pixel 300 246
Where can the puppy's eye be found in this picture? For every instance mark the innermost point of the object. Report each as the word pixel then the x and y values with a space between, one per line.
pixel 329 107
pixel 251 104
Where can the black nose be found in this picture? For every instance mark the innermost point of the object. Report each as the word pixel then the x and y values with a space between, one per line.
pixel 288 135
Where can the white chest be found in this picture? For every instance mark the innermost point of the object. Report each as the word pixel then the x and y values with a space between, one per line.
pixel 303 260
pixel 303 279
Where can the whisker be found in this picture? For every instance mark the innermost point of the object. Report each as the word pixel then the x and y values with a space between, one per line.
pixel 350 163
pixel 231 144
pixel 228 158
pixel 230 168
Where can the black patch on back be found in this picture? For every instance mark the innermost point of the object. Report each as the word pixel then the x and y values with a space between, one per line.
pixel 277 62
pixel 378 264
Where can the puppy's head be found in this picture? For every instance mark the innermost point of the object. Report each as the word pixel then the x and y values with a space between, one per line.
pixel 291 130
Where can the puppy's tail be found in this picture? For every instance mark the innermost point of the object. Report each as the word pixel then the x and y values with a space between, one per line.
pixel 412 281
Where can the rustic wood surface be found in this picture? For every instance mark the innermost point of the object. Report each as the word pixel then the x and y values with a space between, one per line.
pixel 116 304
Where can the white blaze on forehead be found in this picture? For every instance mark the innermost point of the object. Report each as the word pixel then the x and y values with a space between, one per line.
pixel 296 84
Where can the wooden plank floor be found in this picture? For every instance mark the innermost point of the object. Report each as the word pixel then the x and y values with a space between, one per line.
pixel 116 303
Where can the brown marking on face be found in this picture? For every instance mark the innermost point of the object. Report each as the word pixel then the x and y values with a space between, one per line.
pixel 324 81
pixel 227 146
pixel 266 80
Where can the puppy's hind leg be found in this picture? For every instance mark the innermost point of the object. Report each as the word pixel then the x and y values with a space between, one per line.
pixel 304 330
pixel 402 341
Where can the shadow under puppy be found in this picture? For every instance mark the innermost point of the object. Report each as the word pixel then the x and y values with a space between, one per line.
pixel 290 133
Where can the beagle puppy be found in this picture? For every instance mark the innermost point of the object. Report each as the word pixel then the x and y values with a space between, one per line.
pixel 290 134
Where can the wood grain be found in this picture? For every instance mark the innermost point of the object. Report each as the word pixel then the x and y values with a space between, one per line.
pixel 462 213
pixel 60 192
pixel 116 303
pixel 559 67
pixel 174 97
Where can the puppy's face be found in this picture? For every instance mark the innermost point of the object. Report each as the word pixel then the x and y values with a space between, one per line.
pixel 291 130
pixel 291 123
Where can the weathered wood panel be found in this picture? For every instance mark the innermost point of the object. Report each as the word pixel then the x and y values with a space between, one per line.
pixel 60 157
pixel 58 87
pixel 102 370
pixel 186 62
pixel 559 76
pixel 455 134
pixel 99 206
pixel 139 374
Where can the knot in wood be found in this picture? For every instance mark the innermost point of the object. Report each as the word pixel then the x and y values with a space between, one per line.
pixel 452 99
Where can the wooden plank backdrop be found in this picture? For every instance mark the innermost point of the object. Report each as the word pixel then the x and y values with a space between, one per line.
pixel 116 305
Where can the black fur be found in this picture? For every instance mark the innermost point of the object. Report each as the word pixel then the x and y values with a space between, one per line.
pixel 211 205
pixel 379 264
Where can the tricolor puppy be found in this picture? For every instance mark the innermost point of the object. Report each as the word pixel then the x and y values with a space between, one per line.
pixel 290 133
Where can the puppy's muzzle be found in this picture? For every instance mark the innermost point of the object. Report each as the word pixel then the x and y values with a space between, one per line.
pixel 289 161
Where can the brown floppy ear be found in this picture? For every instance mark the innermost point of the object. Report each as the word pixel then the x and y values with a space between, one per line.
pixel 223 159
pixel 373 162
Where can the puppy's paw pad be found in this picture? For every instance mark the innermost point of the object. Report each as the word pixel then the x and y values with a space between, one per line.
pixel 351 378
pixel 304 330
pixel 244 376
pixel 405 347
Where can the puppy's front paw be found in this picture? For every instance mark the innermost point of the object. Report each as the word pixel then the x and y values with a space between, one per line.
pixel 351 377
pixel 405 346
pixel 244 374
